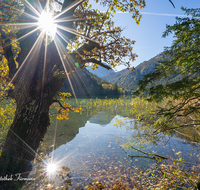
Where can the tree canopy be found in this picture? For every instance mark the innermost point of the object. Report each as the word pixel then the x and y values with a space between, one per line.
pixel 182 93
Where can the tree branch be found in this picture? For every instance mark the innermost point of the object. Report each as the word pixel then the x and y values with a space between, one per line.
pixel 59 2
pixel 172 3
pixel 62 107
pixel 97 62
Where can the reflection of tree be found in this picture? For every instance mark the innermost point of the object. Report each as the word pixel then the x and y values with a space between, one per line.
pixel 151 155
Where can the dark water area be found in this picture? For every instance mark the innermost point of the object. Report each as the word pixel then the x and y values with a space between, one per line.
pixel 89 149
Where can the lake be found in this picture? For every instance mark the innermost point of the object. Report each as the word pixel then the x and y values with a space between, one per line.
pixel 99 150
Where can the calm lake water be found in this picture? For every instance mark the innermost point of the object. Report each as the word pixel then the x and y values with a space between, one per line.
pixel 87 149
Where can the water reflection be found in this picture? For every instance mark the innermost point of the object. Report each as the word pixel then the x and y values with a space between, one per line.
pixel 91 152
pixel 102 118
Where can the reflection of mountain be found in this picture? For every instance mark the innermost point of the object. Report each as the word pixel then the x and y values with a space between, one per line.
pixel 102 118
pixel 65 131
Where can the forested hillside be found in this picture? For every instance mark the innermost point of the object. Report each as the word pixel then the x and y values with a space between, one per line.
pixel 88 85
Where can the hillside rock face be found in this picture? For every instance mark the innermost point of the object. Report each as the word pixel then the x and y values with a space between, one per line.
pixel 129 79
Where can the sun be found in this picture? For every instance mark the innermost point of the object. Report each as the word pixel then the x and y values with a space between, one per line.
pixel 47 24
pixel 51 168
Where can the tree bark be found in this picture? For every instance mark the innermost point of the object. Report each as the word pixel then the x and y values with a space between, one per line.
pixel 28 129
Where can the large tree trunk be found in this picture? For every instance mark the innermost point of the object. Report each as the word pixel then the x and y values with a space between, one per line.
pixel 35 87
pixel 33 95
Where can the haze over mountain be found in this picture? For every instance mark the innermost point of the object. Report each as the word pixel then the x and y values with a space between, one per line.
pixel 101 71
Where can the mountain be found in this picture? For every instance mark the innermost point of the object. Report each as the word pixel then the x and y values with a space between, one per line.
pixel 100 72
pixel 129 79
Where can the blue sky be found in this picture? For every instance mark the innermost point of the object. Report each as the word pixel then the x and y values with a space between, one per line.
pixel 148 34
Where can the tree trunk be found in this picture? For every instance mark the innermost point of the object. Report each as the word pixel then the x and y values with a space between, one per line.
pixel 36 84
pixel 35 87
pixel 34 94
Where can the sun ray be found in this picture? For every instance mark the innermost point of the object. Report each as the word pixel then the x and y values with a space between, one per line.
pixel 33 9
pixel 20 67
pixel 76 33
pixel 34 55
pixel 60 161
pixel 20 24
pixel 56 40
pixel 82 145
pixel 68 8
pixel 45 62
pixel 22 36
pixel 38 176
pixel 54 140
pixel 29 15
pixel 64 52
pixel 27 26
pixel 34 45
pixel 67 41
pixel 28 146
pixel 81 78
pixel 69 20
pixel 47 5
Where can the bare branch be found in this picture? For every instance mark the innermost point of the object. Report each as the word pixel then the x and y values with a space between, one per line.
pixel 172 3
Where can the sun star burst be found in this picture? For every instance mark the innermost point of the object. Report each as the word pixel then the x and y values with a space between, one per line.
pixel 51 168
pixel 47 24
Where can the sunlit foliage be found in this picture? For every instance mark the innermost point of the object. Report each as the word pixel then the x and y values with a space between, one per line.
pixel 103 39
pixel 63 107
pixel 9 14
pixel 125 6
pixel 7 110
